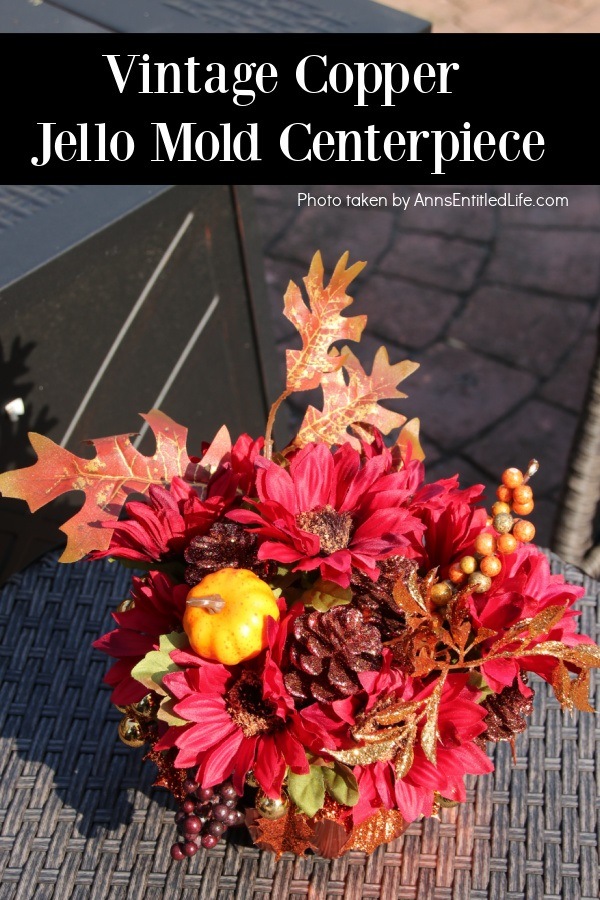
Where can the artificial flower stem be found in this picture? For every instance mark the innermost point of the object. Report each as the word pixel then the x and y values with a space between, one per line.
pixel 268 448
pixel 212 603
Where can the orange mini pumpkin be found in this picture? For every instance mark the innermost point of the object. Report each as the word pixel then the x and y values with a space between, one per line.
pixel 230 626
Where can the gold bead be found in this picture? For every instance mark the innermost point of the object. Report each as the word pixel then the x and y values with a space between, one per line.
pixel 468 564
pixel 503 523
pixel 146 707
pixel 441 593
pixel 130 732
pixel 251 780
pixel 126 605
pixel 269 808
pixel 479 583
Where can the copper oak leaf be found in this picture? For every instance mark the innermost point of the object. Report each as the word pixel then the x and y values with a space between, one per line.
pixel 117 470
pixel 356 403
pixel 320 324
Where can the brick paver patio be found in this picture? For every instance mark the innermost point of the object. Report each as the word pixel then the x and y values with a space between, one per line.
pixel 498 305
pixel 501 16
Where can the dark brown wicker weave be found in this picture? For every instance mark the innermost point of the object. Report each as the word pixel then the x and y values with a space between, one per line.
pixel 79 818
pixel 574 538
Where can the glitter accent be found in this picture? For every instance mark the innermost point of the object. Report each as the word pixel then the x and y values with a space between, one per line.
pixel 332 527
pixel 248 709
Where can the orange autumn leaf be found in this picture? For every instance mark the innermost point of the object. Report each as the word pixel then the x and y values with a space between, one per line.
pixel 117 470
pixel 320 323
pixel 356 404
pixel 291 833
pixel 384 826
pixel 409 437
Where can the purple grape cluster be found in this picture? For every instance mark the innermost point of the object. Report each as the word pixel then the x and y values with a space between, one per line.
pixel 204 817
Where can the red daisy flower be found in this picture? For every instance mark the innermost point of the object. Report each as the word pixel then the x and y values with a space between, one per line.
pixel 331 511
pixel 240 719
pixel 460 722
pixel 160 526
pixel 523 589
pixel 158 607
pixel 451 521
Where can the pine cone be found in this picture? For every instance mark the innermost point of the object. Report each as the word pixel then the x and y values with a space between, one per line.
pixel 227 545
pixel 327 650
pixel 506 713
pixel 375 598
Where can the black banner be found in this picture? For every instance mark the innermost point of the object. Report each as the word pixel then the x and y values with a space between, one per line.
pixel 319 108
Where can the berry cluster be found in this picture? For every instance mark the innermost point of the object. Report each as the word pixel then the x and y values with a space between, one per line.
pixel 204 817
pixel 515 498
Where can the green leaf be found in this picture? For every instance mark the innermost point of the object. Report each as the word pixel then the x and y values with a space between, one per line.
pixel 324 595
pixel 307 791
pixel 477 681
pixel 157 663
pixel 165 712
pixel 341 784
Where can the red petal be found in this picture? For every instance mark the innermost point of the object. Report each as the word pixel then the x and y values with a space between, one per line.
pixel 219 763
pixel 312 474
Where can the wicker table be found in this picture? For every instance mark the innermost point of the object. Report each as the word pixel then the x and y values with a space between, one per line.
pixel 80 819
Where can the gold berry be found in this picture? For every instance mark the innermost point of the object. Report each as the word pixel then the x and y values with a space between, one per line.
pixel 468 564
pixel 490 566
pixel 126 605
pixel 503 523
pixel 270 808
pixel 441 593
pixel 130 732
pixel 504 493
pixel 522 494
pixel 479 583
pixel 500 507
pixel 485 544
pixel 512 478
pixel 146 707
pixel 506 543
pixel 522 509
pixel 524 531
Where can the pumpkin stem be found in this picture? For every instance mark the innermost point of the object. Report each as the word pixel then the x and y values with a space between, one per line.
pixel 212 603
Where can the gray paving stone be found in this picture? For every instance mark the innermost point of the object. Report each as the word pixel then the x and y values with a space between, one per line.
pixel 568 386
pixel 472 222
pixel 558 261
pixel 365 233
pixel 404 313
pixel 524 329
pixel 449 263
pixel 582 211
pixel 537 429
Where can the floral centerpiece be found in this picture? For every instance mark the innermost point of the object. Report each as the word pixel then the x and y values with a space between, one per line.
pixel 320 643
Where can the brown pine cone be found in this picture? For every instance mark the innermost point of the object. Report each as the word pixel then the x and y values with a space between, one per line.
pixel 227 545
pixel 327 649
pixel 375 598
pixel 506 713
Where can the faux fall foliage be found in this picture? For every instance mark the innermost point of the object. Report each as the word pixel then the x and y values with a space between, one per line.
pixel 383 627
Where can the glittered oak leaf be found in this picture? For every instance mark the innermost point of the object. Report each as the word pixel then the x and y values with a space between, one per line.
pixel 117 470
pixel 356 403
pixel 291 833
pixel 320 324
